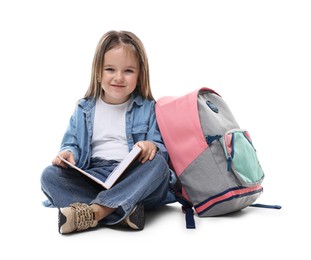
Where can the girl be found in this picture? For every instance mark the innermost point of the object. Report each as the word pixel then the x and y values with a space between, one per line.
pixel 116 113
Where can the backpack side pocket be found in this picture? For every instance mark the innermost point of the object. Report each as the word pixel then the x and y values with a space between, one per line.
pixel 242 157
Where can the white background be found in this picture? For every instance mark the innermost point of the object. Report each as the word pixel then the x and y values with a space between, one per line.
pixel 256 54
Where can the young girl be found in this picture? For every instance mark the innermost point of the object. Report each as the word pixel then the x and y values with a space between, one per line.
pixel 116 113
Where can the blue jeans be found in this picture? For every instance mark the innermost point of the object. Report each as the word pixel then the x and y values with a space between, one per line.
pixel 148 182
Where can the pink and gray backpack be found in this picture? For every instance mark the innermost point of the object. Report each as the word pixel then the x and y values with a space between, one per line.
pixel 215 161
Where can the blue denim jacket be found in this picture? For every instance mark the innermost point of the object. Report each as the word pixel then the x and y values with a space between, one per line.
pixel 141 125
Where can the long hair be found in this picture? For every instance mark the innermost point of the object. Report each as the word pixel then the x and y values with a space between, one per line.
pixel 109 41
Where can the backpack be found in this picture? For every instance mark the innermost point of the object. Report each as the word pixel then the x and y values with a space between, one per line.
pixel 215 161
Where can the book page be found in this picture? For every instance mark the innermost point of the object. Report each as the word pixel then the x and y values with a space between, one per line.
pixel 116 173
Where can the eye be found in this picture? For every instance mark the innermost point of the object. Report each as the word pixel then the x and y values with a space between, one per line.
pixel 109 69
pixel 129 71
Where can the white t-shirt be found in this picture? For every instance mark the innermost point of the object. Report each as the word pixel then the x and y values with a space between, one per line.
pixel 109 136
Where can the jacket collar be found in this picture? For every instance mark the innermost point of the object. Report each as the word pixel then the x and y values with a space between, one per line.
pixel 88 104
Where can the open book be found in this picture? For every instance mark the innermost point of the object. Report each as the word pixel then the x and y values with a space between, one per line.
pixel 115 174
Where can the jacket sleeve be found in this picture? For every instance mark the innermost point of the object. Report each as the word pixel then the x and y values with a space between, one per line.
pixel 70 141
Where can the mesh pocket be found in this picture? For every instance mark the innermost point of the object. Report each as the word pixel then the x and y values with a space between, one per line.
pixel 242 157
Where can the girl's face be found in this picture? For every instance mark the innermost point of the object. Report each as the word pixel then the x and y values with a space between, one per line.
pixel 120 75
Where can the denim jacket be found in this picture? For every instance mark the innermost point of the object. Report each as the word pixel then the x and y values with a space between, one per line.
pixel 141 125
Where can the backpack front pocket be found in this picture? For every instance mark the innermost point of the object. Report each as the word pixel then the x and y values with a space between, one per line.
pixel 242 157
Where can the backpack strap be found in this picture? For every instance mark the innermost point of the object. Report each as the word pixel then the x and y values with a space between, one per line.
pixel 259 205
pixel 189 212
pixel 186 207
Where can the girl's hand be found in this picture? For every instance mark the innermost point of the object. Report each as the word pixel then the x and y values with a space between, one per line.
pixel 67 155
pixel 149 150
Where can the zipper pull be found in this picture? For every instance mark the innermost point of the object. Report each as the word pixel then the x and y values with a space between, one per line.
pixel 229 160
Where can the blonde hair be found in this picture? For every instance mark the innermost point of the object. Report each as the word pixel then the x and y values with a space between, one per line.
pixel 109 41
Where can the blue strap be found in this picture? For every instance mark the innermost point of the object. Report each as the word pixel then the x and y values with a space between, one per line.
pixel 229 160
pixel 211 138
pixel 187 209
pixel 190 224
pixel 258 205
pixel 232 146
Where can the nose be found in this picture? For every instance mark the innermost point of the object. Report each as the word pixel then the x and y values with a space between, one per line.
pixel 118 76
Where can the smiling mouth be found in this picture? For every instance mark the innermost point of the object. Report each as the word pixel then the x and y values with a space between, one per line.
pixel 117 86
